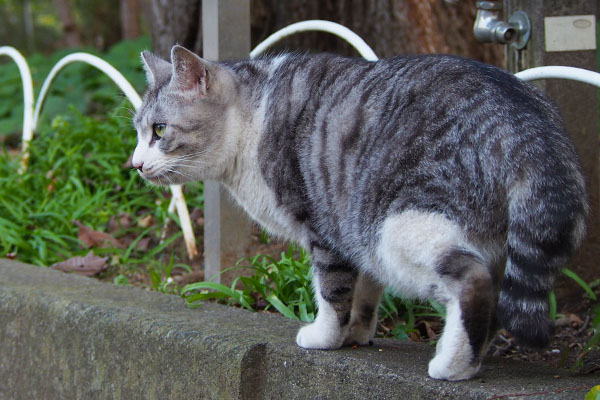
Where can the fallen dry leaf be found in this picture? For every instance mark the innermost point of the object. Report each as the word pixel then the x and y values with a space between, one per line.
pixel 414 336
pixel 569 320
pixel 190 277
pixel 143 244
pixel 197 215
pixel 122 221
pixel 145 221
pixel 425 329
pixel 92 238
pixel 89 265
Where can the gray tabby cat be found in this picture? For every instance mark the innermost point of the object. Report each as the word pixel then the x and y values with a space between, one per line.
pixel 440 177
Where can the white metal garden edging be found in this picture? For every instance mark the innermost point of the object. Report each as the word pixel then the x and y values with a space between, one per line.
pixel 94 61
pixel 31 116
pixel 317 25
pixel 27 97
pixel 559 72
pixel 178 198
pixel 31 119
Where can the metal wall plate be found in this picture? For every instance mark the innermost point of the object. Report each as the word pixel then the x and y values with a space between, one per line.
pixel 570 33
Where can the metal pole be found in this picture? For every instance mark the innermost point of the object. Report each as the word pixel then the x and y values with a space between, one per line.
pixel 226 36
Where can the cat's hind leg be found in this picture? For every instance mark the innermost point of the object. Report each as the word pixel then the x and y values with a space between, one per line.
pixel 427 255
pixel 334 282
pixel 470 304
pixel 365 305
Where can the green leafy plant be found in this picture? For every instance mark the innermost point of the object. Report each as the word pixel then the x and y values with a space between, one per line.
pixel 588 290
pixel 284 285
pixel 593 394
pixel 160 275
pixel 404 314
pixel 76 174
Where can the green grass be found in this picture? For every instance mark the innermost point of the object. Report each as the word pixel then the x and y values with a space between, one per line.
pixel 76 173
pixel 285 285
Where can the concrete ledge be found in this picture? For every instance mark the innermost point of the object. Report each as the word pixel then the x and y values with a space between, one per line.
pixel 65 336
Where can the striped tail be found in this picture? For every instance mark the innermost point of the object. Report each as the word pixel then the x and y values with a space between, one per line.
pixel 546 224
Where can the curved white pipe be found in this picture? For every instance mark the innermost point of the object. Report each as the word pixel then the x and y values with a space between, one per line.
pixel 560 72
pixel 94 61
pixel 178 199
pixel 318 25
pixel 27 96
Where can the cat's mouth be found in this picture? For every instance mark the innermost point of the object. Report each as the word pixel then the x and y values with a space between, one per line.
pixel 159 179
pixel 163 178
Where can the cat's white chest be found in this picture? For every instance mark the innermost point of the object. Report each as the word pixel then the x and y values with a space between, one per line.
pixel 260 202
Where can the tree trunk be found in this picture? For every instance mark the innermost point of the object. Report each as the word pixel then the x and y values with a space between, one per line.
pixel 389 27
pixel 130 18
pixel 174 22
pixel 72 36
pixel 28 25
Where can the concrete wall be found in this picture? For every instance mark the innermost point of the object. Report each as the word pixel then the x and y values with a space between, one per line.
pixel 68 337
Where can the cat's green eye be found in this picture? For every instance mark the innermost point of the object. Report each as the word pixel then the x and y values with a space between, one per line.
pixel 159 129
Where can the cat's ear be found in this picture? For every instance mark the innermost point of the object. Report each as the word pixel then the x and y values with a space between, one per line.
pixel 157 69
pixel 190 72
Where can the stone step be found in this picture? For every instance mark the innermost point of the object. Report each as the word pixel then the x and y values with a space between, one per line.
pixel 68 337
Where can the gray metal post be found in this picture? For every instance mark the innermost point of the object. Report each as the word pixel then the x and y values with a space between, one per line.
pixel 569 42
pixel 226 36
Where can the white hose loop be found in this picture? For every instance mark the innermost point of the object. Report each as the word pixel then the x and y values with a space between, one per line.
pixel 550 72
pixel 27 96
pixel 178 199
pixel 94 61
pixel 185 220
pixel 317 25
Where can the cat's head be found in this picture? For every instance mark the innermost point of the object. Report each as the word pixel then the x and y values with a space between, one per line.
pixel 187 121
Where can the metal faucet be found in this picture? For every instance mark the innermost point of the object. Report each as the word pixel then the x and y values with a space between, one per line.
pixel 489 27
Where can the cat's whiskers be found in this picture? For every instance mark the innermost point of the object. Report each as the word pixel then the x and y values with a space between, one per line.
pixel 185 175
pixel 191 156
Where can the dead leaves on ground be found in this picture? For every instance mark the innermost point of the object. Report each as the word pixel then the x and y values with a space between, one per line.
pixel 97 239
pixel 92 238
pixel 90 265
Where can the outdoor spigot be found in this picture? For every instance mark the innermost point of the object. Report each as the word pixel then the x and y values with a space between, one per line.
pixel 489 27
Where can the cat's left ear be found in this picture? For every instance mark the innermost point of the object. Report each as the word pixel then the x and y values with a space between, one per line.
pixel 157 69
pixel 190 72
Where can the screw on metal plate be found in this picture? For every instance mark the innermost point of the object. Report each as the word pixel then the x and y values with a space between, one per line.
pixel 489 27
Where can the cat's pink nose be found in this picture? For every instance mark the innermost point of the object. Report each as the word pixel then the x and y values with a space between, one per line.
pixel 139 165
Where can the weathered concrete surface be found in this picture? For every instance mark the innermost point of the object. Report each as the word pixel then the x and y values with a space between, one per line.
pixel 68 337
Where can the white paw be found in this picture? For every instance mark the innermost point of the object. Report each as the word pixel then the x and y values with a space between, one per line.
pixel 451 370
pixel 318 336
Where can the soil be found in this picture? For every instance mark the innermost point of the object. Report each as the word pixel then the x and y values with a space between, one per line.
pixel 566 349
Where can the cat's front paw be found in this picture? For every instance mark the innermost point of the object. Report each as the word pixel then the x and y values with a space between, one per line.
pixel 359 334
pixel 317 336
pixel 440 367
